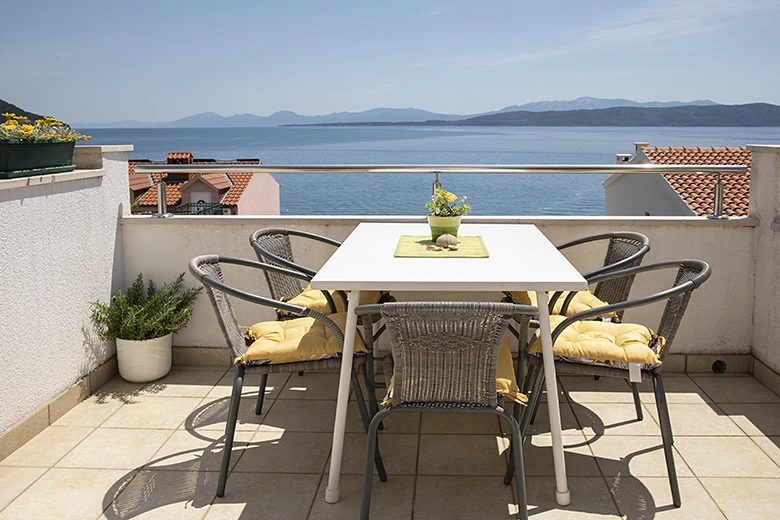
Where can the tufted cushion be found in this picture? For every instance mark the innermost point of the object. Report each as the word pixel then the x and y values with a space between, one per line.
pixel 301 339
pixel 582 301
pixel 314 299
pixel 614 344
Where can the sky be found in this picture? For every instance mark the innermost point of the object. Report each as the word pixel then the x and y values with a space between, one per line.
pixel 98 61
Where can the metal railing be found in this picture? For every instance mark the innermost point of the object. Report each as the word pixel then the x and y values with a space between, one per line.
pixel 197 208
pixel 579 169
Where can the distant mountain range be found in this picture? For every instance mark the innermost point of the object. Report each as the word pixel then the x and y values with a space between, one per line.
pixel 6 108
pixel 382 115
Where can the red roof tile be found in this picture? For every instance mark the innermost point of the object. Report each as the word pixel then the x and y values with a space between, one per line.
pixel 697 190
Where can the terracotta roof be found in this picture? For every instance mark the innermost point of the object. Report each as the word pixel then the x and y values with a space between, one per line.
pixel 235 183
pixel 179 158
pixel 697 190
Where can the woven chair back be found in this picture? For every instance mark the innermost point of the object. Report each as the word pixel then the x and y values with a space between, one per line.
pixel 621 247
pixel 446 352
pixel 276 242
pixel 223 308
pixel 677 304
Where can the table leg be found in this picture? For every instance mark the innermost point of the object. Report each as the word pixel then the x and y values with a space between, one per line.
pixel 332 491
pixel 562 495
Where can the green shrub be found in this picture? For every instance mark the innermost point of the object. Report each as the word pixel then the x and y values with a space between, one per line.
pixel 144 313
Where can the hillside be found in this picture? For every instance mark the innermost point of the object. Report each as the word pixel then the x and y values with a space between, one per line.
pixel 6 107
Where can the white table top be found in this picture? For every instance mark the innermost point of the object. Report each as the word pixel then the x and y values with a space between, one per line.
pixel 521 259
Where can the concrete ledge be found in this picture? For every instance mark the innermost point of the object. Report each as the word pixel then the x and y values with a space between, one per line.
pixel 766 376
pixel 52 178
pixel 19 434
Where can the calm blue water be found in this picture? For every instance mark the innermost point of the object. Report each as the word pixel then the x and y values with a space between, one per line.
pixel 369 194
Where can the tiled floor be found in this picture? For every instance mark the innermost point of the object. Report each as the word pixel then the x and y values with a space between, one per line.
pixel 153 451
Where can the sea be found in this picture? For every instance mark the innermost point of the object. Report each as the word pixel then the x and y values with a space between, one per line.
pixel 406 194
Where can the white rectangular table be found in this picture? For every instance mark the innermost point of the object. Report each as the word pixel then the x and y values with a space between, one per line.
pixel 521 259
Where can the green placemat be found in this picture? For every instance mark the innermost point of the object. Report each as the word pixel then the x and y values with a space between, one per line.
pixel 415 247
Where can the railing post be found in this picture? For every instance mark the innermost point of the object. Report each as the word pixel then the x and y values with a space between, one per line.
pixel 162 203
pixel 436 183
pixel 717 209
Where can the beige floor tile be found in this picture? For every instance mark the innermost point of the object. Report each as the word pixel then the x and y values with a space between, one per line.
pixel 541 424
pixel 590 498
pixel 210 418
pixel 745 499
pixel 404 422
pixel 164 495
pixel 304 415
pixel 770 445
pixel 651 497
pixel 90 412
pixel 636 455
pixel 285 452
pixel 725 457
pixel 391 500
pixel 273 385
pixel 537 454
pixel 185 451
pixel 735 389
pixel 459 497
pixel 613 419
pixel 49 446
pixel 461 423
pixel 679 389
pixel 755 419
pixel 64 494
pixel 13 481
pixel 153 412
pixel 311 385
pixel 399 454
pixel 117 389
pixel 266 497
pixel 115 448
pixel 462 455
pixel 699 419
pixel 586 389
pixel 184 383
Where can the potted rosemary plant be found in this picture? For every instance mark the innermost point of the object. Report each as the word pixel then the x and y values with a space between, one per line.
pixel 445 209
pixel 143 320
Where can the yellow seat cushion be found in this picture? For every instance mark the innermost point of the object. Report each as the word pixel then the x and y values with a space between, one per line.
pixel 300 339
pixel 582 301
pixel 615 344
pixel 314 299
pixel 506 382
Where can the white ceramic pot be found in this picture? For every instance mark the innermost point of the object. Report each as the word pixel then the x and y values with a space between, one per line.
pixel 144 361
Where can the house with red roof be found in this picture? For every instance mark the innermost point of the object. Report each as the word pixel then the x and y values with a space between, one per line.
pixel 205 193
pixel 678 194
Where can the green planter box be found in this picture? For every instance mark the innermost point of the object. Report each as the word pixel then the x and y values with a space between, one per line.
pixel 23 159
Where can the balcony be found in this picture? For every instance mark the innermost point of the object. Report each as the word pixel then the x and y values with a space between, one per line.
pixel 78 442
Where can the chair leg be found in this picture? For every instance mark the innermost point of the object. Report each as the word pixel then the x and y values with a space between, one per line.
pixel 666 434
pixel 533 403
pixel 517 465
pixel 380 467
pixel 230 429
pixel 371 450
pixel 261 394
pixel 637 402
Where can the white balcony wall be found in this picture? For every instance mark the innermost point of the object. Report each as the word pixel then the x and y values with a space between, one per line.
pixel 718 320
pixel 59 250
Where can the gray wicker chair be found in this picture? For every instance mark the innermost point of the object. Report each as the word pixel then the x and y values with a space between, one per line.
pixel 445 357
pixel 690 275
pixel 273 246
pixel 207 269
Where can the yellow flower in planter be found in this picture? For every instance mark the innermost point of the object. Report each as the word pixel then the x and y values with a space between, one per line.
pixel 48 129
pixel 446 204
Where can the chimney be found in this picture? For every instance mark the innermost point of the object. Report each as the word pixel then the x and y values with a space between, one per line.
pixel 638 146
pixel 179 158
pixel 622 158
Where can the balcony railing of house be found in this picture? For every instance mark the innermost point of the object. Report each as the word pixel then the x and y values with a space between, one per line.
pixel 621 169
pixel 197 208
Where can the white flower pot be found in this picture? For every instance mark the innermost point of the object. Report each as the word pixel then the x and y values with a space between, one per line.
pixel 144 361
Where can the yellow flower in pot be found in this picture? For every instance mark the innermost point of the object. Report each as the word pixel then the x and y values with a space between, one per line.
pixel 445 211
